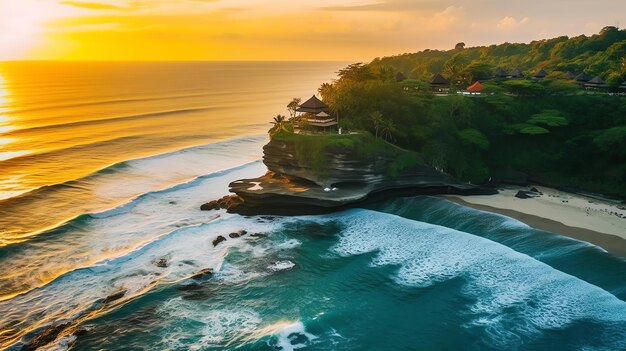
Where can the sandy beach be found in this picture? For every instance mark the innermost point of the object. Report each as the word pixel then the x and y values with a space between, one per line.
pixel 600 222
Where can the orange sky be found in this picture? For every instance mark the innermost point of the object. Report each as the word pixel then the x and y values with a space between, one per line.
pixel 281 29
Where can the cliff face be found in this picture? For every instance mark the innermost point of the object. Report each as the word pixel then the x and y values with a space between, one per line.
pixel 310 175
pixel 340 164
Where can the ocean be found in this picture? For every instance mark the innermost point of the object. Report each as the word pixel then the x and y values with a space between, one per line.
pixel 103 168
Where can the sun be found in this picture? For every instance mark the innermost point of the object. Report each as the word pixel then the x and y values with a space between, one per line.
pixel 22 25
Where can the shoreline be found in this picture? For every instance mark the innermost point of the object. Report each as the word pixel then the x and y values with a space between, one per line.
pixel 552 216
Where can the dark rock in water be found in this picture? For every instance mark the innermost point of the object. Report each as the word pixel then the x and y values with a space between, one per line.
pixel 81 332
pixel 238 234
pixel 233 235
pixel 115 296
pixel 45 337
pixel 189 287
pixel 161 263
pixel 203 274
pixel 218 240
pixel 226 202
pixel 258 235
pixel 172 202
pixel 533 189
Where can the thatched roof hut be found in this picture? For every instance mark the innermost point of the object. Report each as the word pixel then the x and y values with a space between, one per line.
pixel 500 73
pixel 313 105
pixel 583 77
pixel 541 74
pixel 570 75
pixel 596 82
pixel 516 73
pixel 439 81
pixel 400 77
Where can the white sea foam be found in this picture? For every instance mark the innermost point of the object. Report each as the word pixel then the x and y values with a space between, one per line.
pixel 281 266
pixel 508 286
pixel 217 325
pixel 293 337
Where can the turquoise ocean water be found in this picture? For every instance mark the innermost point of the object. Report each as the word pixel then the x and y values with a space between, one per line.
pixel 405 274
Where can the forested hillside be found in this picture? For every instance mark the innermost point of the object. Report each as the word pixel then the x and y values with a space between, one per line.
pixel 603 55
pixel 551 129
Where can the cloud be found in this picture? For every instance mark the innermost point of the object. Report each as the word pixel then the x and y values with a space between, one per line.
pixel 92 5
pixel 386 5
pixel 508 22
pixel 446 18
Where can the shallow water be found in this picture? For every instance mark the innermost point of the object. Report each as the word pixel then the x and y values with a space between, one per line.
pixel 404 274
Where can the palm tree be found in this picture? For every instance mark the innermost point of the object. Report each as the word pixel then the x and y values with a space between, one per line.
pixel 278 121
pixel 377 119
pixel 387 129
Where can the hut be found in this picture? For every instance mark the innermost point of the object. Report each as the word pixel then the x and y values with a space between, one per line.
pixel 400 77
pixel 583 78
pixel 570 75
pixel 595 83
pixel 541 74
pixel 500 73
pixel 516 74
pixel 476 88
pixel 439 84
pixel 316 114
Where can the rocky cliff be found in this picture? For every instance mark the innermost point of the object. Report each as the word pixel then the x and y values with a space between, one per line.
pixel 316 174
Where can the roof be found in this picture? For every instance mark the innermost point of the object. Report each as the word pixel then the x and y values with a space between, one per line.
pixel 583 77
pixel 439 80
pixel 476 87
pixel 596 80
pixel 570 75
pixel 313 105
pixel 541 74
pixel 501 73
pixel 400 77
pixel 516 73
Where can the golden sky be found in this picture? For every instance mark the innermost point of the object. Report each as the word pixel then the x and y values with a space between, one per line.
pixel 282 29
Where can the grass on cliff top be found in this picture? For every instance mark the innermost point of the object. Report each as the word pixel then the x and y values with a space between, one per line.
pixel 315 148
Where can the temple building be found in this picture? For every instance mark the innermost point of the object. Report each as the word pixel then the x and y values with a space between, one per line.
pixel 439 84
pixel 315 114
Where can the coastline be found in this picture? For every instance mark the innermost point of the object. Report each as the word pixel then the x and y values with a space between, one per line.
pixel 559 212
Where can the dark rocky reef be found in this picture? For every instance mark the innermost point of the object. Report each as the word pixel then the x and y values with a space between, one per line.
pixel 299 182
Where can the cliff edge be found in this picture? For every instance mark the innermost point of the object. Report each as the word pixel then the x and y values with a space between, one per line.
pixel 309 174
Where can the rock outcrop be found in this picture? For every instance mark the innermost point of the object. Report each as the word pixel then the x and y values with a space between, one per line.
pixel 306 181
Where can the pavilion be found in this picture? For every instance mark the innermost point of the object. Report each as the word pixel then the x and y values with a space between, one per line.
pixel 439 84
pixel 315 113
pixel 596 83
